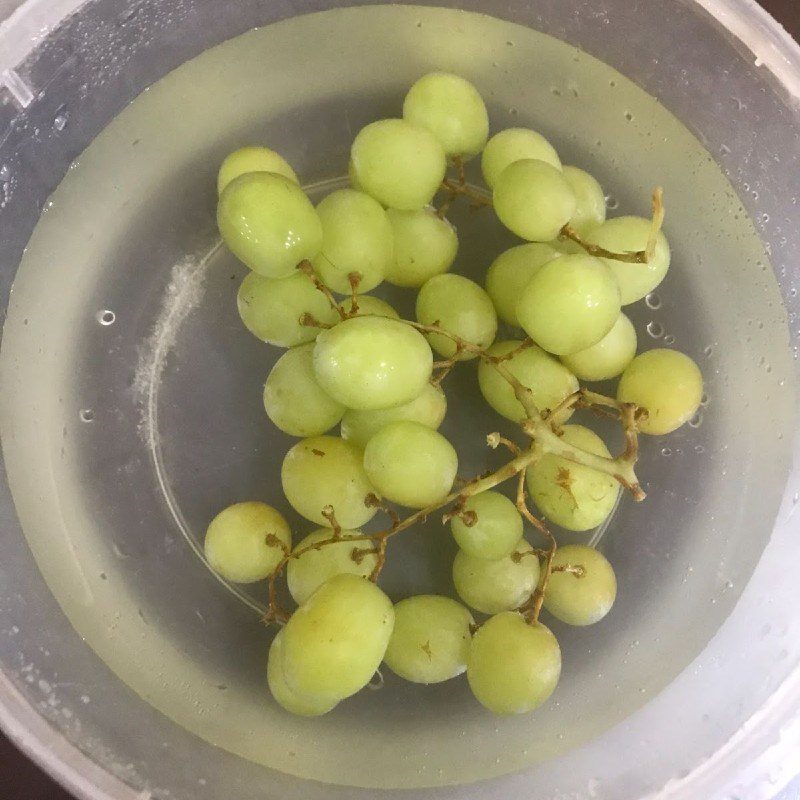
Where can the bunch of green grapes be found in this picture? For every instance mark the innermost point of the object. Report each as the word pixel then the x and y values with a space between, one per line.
pixel 352 362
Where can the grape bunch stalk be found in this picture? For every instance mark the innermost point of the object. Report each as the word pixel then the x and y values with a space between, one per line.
pixel 352 361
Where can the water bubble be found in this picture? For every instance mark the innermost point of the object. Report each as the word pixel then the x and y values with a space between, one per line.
pixel 655 329
pixel 106 317
pixel 5 173
pixel 513 111
pixel 708 350
pixel 653 301
pixel 669 339
pixel 376 683
pixel 61 118
pixel 87 415
pixel 698 448
pixel 628 116
pixel 556 92
pixel 666 451
pixel 611 202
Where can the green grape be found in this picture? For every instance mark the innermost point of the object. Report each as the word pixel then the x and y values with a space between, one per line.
pixel 300 704
pixel 496 531
pixel 584 594
pixel 268 223
pixel 431 639
pixel 410 464
pixel 572 495
pixel 550 381
pixel 356 238
pixel 306 573
pixel 665 382
pixel 569 304
pixel 591 209
pixel 372 306
pixel 451 109
pixel 370 363
pixel 424 246
pixel 533 199
pixel 499 585
pixel 630 235
pixel 511 272
pixel 293 399
pixel 513 666
pixel 246 541
pixel 271 308
pixel 327 471
pixel 514 144
pixel 458 305
pixel 609 357
pixel 335 641
pixel 428 408
pixel 351 176
pixel 399 164
pixel 252 159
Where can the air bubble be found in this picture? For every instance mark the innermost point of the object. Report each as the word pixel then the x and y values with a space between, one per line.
pixel 377 681
pixel 653 301
pixel 61 118
pixel 628 116
pixel 708 350
pixel 513 111
pixel 106 317
pixel 666 451
pixel 655 329
pixel 696 421
pixel 612 202
pixel 669 339
pixel 87 415
pixel 5 173
pixel 698 448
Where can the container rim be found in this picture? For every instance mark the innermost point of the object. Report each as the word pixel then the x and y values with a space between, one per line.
pixel 755 744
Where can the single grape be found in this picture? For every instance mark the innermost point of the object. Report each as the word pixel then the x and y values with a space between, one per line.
pixel 550 381
pixel 569 304
pixel 584 593
pixel 300 704
pixel 609 357
pixel 307 572
pixel 335 641
pixel 458 305
pixel 428 409
pixel 451 109
pixel 513 666
pixel 372 306
pixel 327 471
pixel 410 464
pixel 665 382
pixel 246 541
pixel 499 585
pixel 496 530
pixel 356 238
pixel 630 235
pixel 511 272
pixel 271 308
pixel 399 164
pixel 533 199
pixel 252 159
pixel 370 363
pixel 293 399
pixel 591 208
pixel 514 144
pixel 572 495
pixel 431 639
pixel 268 223
pixel 424 246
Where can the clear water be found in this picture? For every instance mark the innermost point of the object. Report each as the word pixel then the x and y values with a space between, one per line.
pixel 135 393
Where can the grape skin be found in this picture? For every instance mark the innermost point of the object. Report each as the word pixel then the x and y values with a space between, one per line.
pixel 236 543
pixel 572 495
pixel 252 159
pixel 584 599
pixel 591 207
pixel 431 639
pixel 293 399
pixel 609 357
pixel 496 531
pixel 410 464
pixel 268 223
pixel 515 144
pixel 665 382
pixel 327 471
pixel 513 666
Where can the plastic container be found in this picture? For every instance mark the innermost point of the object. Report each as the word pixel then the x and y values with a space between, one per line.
pixel 130 400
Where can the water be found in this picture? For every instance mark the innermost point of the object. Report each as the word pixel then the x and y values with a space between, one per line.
pixel 138 328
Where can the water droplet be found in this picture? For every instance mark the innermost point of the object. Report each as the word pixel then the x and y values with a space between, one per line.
pixel 666 451
pixel 628 116
pixel 655 329
pixel 669 339
pixel 611 202
pixel 708 350
pixel 377 681
pixel 106 317
pixel 5 173
pixel 765 217
pixel 87 415
pixel 61 118
pixel 698 448
pixel 704 399
pixel 653 301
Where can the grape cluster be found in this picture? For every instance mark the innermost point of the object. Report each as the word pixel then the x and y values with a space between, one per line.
pixel 353 362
